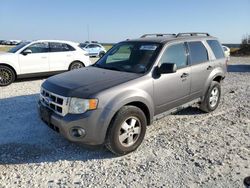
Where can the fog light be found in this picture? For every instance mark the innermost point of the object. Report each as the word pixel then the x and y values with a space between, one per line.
pixel 77 132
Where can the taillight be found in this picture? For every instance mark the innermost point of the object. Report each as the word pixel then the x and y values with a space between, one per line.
pixel 227 61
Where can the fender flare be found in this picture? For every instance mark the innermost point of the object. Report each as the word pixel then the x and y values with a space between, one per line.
pixel 116 104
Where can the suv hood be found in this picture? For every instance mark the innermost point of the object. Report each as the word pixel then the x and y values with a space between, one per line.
pixel 85 82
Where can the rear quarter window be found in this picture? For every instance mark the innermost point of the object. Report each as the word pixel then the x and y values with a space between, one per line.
pixel 198 52
pixel 216 48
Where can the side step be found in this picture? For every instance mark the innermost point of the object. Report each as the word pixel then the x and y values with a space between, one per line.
pixel 174 110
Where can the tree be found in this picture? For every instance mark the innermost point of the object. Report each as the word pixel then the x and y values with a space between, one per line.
pixel 245 40
pixel 245 45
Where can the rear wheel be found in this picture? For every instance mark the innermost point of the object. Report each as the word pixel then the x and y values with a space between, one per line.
pixel 212 98
pixel 76 65
pixel 127 130
pixel 101 54
pixel 7 75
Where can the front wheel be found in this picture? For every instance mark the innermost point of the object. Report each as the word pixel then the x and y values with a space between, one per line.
pixel 212 98
pixel 127 130
pixel 7 75
pixel 76 65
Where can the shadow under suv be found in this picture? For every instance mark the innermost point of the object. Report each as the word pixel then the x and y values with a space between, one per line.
pixel 137 81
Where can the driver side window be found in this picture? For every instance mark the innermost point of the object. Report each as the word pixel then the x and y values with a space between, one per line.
pixel 122 54
pixel 41 47
pixel 175 54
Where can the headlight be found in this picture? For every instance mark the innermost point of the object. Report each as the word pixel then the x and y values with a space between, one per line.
pixel 79 106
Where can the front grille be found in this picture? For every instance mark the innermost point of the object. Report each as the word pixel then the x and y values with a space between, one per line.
pixel 56 103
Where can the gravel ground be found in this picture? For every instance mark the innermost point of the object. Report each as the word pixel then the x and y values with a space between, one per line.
pixel 188 149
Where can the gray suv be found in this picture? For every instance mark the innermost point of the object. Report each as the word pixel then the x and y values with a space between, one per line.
pixel 135 82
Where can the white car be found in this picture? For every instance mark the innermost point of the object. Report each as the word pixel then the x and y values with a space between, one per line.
pixel 93 49
pixel 226 51
pixel 41 57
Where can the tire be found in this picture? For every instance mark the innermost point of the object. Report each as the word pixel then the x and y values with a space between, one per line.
pixel 101 54
pixel 76 65
pixel 212 97
pixel 7 75
pixel 126 131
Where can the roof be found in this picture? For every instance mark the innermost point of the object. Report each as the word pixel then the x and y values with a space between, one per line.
pixel 165 38
pixel 60 41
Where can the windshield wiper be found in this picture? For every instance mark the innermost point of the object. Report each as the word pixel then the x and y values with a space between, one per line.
pixel 114 68
pixel 97 65
pixel 109 68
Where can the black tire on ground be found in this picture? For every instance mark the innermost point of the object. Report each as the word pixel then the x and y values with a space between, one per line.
pixel 126 131
pixel 101 54
pixel 7 75
pixel 76 65
pixel 212 97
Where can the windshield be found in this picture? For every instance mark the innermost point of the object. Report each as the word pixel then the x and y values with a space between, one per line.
pixel 136 57
pixel 18 47
pixel 82 45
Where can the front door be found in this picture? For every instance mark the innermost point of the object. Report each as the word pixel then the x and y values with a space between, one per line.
pixel 173 89
pixel 37 61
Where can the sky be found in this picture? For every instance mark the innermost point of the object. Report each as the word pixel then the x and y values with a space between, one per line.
pixel 116 20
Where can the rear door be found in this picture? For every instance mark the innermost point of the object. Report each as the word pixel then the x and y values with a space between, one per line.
pixel 173 89
pixel 201 67
pixel 60 57
pixel 37 61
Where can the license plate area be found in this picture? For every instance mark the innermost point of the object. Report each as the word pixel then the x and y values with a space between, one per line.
pixel 45 114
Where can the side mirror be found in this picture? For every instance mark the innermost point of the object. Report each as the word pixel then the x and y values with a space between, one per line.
pixel 26 52
pixel 166 68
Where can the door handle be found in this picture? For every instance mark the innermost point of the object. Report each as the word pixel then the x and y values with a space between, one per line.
pixel 44 57
pixel 209 67
pixel 184 75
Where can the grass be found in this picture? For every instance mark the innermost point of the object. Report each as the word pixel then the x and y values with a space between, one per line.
pixel 232 50
pixel 107 47
pixel 5 48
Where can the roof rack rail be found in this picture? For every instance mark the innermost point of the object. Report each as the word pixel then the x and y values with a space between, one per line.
pixel 192 34
pixel 159 35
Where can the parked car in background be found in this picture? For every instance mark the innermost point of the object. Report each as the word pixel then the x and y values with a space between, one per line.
pixel 41 57
pixel 135 82
pixel 226 51
pixel 10 42
pixel 2 42
pixel 93 49
pixel 15 42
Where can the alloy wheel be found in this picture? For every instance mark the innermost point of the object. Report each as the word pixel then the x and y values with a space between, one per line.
pixel 5 76
pixel 130 131
pixel 214 96
pixel 76 66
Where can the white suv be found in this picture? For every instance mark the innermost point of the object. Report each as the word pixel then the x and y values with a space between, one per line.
pixel 41 57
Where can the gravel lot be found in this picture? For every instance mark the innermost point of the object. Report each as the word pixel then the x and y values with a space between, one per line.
pixel 189 149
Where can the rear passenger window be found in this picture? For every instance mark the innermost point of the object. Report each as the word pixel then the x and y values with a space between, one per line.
pixel 175 54
pixel 60 47
pixel 216 48
pixel 198 52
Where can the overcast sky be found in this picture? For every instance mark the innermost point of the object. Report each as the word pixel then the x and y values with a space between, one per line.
pixel 115 20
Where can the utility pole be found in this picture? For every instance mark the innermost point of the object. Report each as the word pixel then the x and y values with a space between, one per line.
pixel 88 32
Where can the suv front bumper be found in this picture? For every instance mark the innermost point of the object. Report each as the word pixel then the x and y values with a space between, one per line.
pixel 90 121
